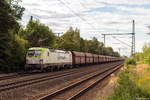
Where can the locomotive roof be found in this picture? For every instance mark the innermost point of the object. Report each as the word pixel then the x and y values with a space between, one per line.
pixel 52 50
pixel 37 48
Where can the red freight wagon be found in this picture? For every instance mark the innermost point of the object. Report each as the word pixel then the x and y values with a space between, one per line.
pixel 89 58
pixel 100 58
pixel 78 58
pixel 106 59
pixel 112 59
pixel 95 60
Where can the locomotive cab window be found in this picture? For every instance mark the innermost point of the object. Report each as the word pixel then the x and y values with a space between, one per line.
pixel 34 53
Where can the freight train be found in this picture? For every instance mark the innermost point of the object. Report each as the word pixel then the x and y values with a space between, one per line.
pixel 43 58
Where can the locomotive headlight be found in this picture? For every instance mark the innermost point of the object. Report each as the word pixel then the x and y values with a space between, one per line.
pixel 41 61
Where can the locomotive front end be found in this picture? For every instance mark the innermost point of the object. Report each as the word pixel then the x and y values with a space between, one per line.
pixel 34 58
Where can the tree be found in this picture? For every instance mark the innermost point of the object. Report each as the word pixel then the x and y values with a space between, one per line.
pixel 70 40
pixel 37 34
pixel 94 48
pixel 12 48
pixel 108 51
pixel 116 54
pixel 82 45
pixel 7 25
pixel 17 10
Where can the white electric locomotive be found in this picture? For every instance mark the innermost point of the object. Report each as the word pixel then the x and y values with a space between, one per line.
pixel 45 58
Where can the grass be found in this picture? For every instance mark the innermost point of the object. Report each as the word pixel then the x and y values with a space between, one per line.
pixel 133 83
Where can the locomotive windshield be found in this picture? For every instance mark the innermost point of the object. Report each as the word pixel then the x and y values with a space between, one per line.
pixel 34 53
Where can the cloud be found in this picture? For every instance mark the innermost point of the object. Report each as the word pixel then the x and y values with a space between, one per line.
pixel 135 2
pixel 92 17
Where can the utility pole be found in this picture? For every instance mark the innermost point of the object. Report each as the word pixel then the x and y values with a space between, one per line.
pixel 104 43
pixel 31 18
pixel 132 34
pixel 104 35
pixel 133 38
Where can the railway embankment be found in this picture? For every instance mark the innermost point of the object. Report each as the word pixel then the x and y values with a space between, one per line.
pixel 133 83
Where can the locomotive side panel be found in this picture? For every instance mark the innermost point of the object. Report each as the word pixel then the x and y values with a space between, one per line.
pixel 59 57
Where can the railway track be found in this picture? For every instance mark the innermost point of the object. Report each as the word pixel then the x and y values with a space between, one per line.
pixel 78 88
pixel 14 85
pixel 2 78
pixel 13 76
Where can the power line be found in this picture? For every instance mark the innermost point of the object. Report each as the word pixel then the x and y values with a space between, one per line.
pixel 121 41
pixel 76 14
pixel 85 8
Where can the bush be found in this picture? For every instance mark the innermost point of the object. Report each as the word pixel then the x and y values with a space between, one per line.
pixel 127 87
pixel 130 61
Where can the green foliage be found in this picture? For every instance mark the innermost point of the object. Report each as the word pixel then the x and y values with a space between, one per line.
pixel 93 46
pixel 12 47
pixel 143 79
pixel 18 51
pixel 7 25
pixel 110 52
pixel 138 57
pixel 7 20
pixel 115 54
pixel 37 34
pixel 130 61
pixel 143 57
pixel 146 54
pixel 17 10
pixel 127 89
pixel 70 40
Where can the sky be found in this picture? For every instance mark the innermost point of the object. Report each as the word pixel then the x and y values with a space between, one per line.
pixel 93 18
